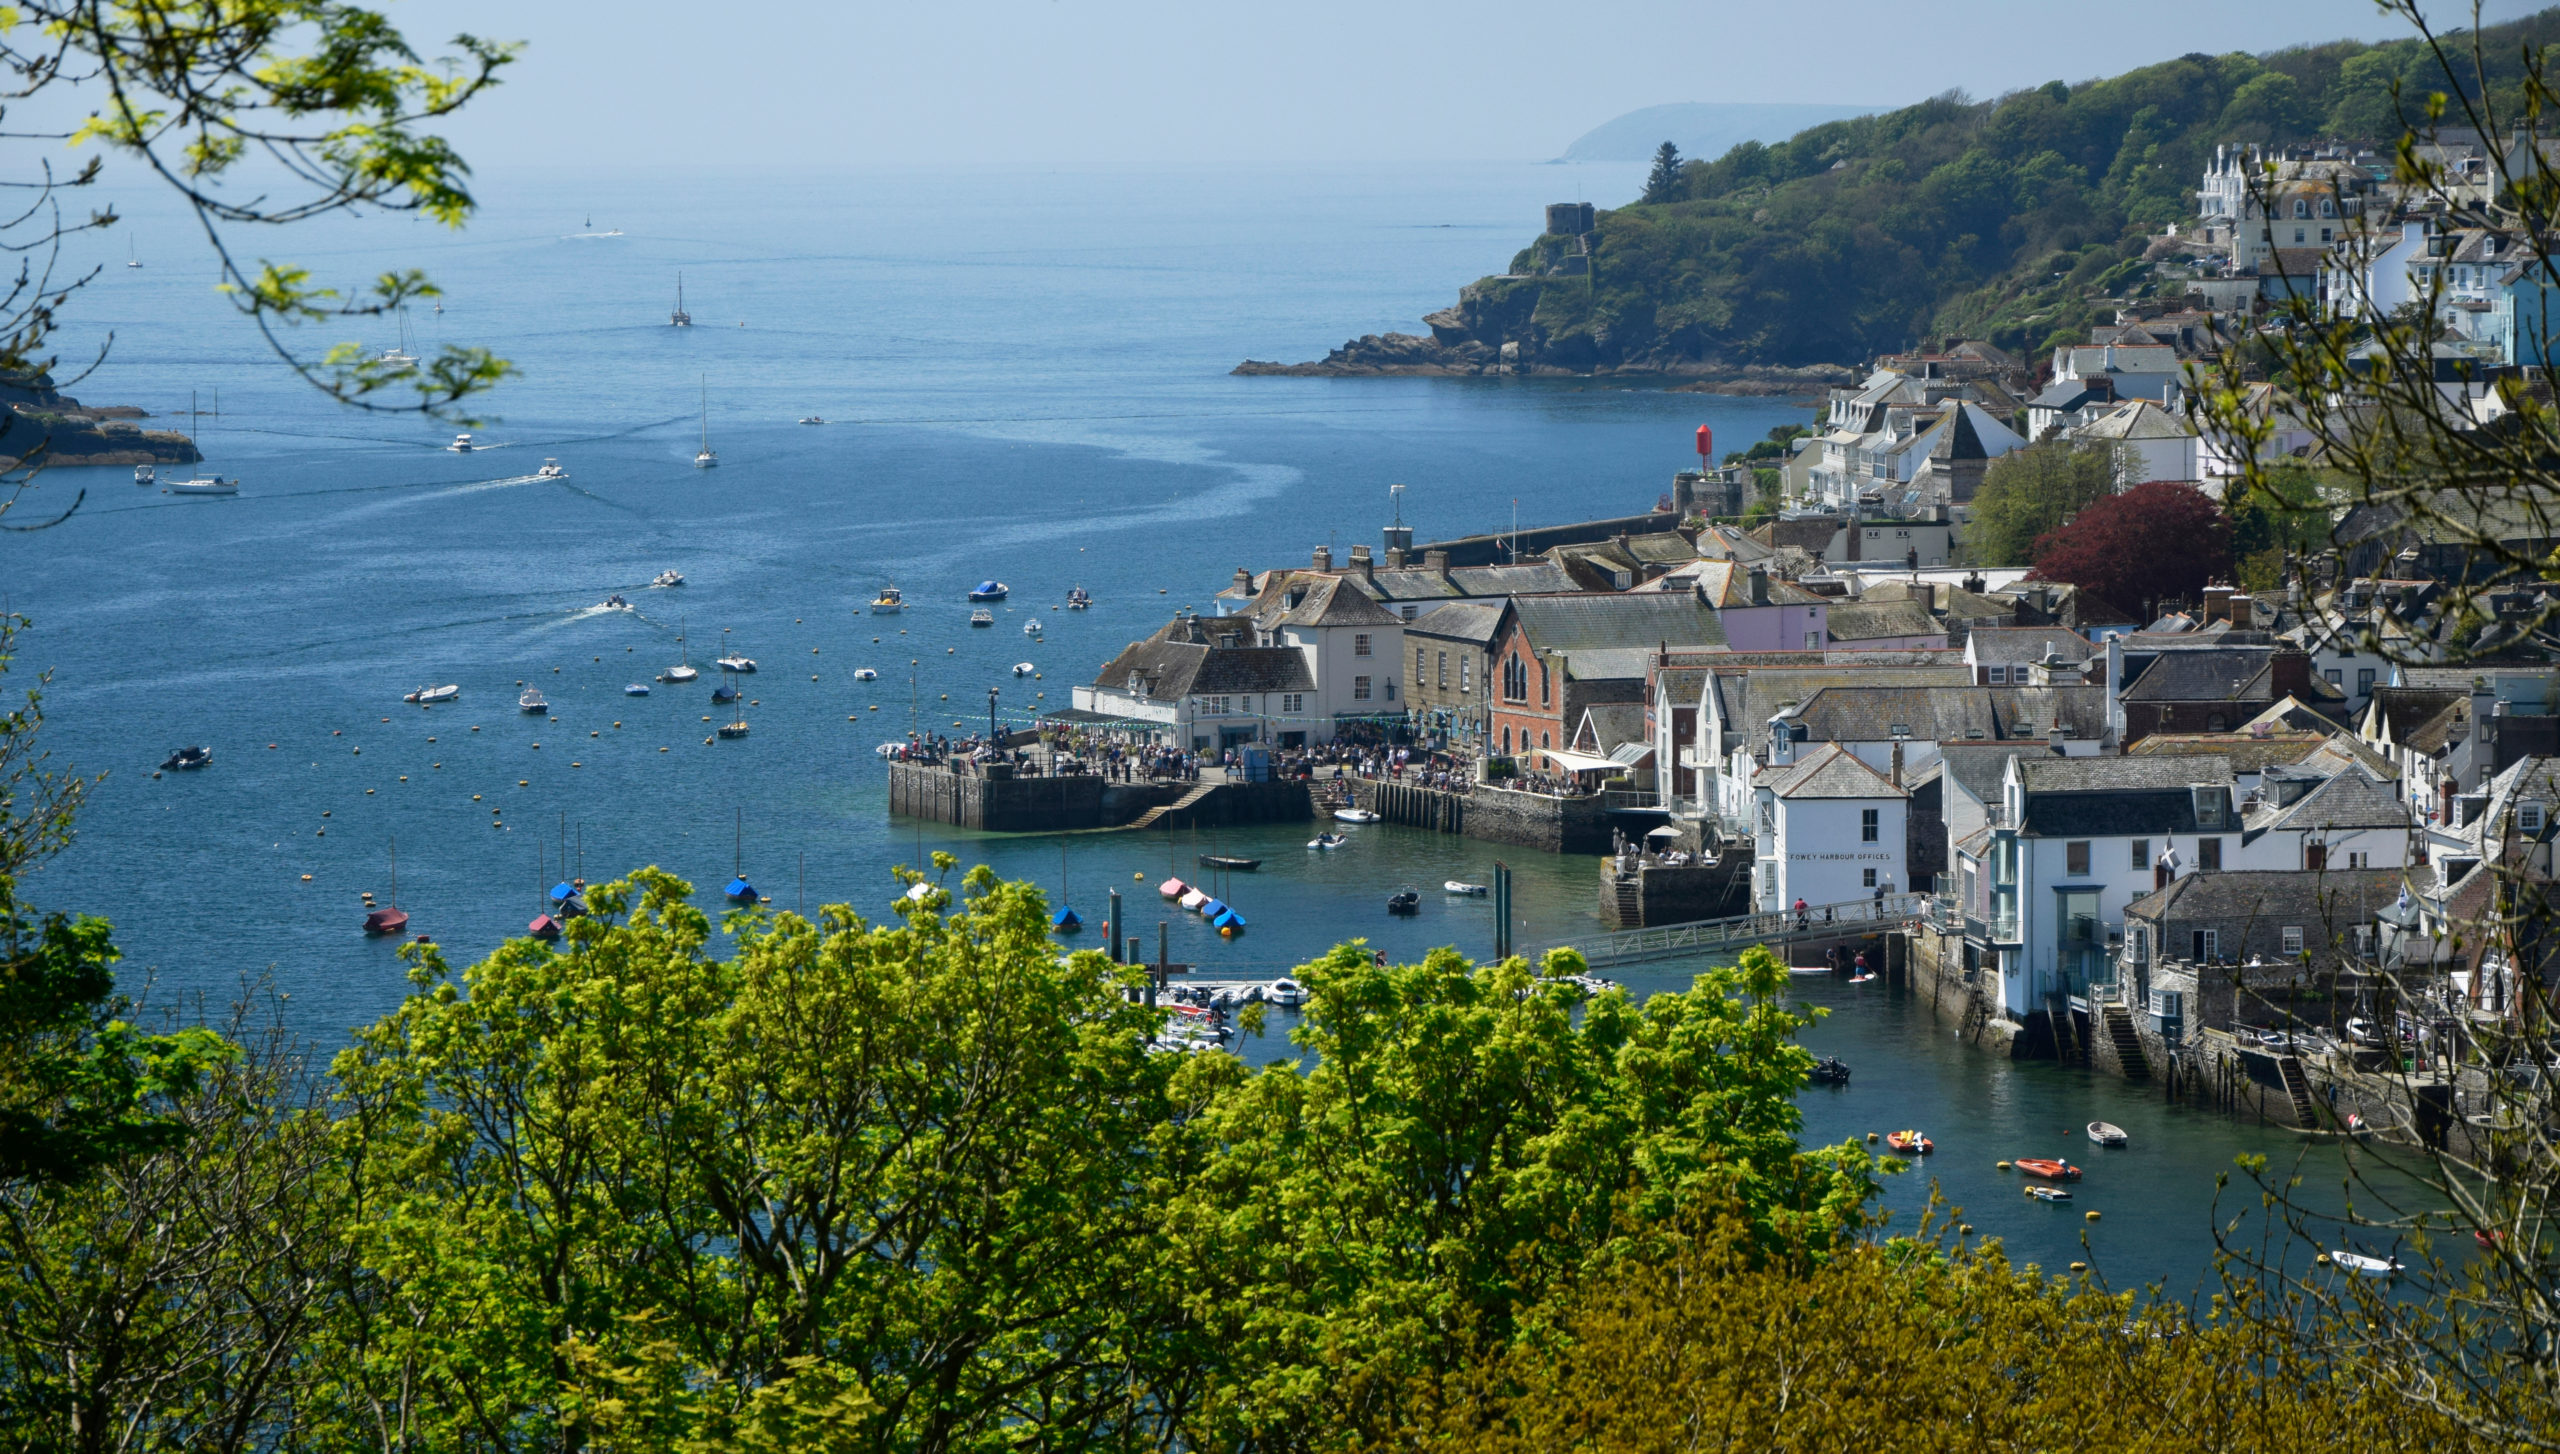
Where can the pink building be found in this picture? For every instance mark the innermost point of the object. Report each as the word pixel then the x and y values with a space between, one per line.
pixel 1758 613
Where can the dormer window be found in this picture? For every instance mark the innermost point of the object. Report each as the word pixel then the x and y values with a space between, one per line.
pixel 2529 818
pixel 1137 684
pixel 2213 806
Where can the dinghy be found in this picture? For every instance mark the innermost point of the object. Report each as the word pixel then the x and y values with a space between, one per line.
pixel 866 674
pixel 2051 1168
pixel 1354 815
pixel 1909 1143
pixel 2106 1133
pixel 2048 1193
pixel 429 696
pixel 1173 888
pixel 1456 886
pixel 635 689
pixel 1327 841
pixel 1023 668
pixel 1220 860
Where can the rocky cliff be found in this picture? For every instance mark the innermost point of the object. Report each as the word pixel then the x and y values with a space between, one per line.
pixel 40 426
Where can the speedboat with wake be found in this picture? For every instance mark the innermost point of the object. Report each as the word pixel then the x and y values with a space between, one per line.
pixel 462 444
pixel 551 470
pixel 615 603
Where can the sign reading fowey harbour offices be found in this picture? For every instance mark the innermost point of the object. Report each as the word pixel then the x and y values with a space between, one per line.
pixel 1870 857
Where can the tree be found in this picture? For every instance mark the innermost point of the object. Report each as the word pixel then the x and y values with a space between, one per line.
pixel 2028 493
pixel 2283 519
pixel 2158 541
pixel 1664 183
pixel 2270 105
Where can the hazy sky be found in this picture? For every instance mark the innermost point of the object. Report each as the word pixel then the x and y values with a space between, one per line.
pixel 641 83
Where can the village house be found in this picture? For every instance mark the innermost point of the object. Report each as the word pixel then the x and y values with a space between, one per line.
pixel 2000 655
pixel 1759 613
pixel 2152 442
pixel 1555 656
pixel 2215 950
pixel 1828 830
pixel 1204 684
pixel 1449 686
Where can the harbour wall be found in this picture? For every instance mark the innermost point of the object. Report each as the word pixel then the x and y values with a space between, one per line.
pixel 1495 815
pixel 1077 803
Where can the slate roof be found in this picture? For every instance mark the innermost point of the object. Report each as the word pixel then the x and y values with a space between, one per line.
pixel 1473 622
pixel 1322 600
pixel 1832 772
pixel 1994 645
pixel 1180 660
pixel 1809 532
pixel 2420 718
pixel 1748 697
pixel 2212 674
pixel 1979 768
pixel 1861 713
pixel 1407 585
pixel 2321 902
pixel 1727 584
pixel 1883 621
pixel 2247 754
pixel 1636 620
pixel 1527 577
pixel 2351 799
pixel 1608 725
pixel 2049 774
pixel 1668 548
pixel 2135 419
pixel 1728 542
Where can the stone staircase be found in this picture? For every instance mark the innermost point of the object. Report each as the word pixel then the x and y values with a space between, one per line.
pixel 2298 1086
pixel 2128 1044
pixel 2057 1013
pixel 1621 900
pixel 1148 818
pixel 1328 793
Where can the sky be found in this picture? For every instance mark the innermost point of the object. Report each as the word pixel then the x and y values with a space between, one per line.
pixel 819 84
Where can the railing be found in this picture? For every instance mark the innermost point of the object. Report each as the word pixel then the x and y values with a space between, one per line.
pixel 1612 799
pixel 1711 936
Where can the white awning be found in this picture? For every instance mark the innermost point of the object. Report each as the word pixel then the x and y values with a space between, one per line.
pixel 1572 761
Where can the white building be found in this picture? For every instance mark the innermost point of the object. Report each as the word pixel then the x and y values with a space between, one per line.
pixel 1830 830
pixel 2155 444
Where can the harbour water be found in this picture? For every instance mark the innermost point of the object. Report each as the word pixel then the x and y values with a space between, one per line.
pixel 1025 377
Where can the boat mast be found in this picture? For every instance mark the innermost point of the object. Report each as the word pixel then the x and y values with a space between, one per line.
pixel 395 871
pixel 706 413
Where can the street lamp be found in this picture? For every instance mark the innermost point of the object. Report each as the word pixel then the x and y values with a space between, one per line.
pixel 991 715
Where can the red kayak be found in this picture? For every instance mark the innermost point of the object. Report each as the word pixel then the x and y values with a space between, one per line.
pixel 1909 1143
pixel 2051 1170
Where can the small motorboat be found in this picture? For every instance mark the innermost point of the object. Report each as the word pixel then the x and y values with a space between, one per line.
pixel 1404 901
pixel 1829 1071
pixel 205 485
pixel 2051 1168
pixel 462 444
pixel 1031 628
pixel 1173 888
pixel 551 470
pixel 865 674
pixel 614 602
pixel 532 701
pixel 813 419
pixel 2106 1133
pixel 1354 815
pixel 2048 1194
pixel 664 580
pixel 1078 598
pixel 989 591
pixel 982 618
pixel 429 696
pixel 187 759
pixel 888 602
pixel 635 689
pixel 1909 1143
pixel 144 474
pixel 565 903
pixel 1460 886
pixel 544 928
pixel 739 891
pixel 724 694
pixel 1284 991
pixel 1023 668
pixel 2363 1266
pixel 1192 899
pixel 1327 841
pixel 386 921
pixel 1221 860
pixel 742 665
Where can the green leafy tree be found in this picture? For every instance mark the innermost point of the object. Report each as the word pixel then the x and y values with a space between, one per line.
pixel 2271 106
pixel 1467 1139
pixel 2282 517
pixel 1664 183
pixel 2027 494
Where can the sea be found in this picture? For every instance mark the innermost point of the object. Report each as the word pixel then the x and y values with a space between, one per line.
pixel 1023 376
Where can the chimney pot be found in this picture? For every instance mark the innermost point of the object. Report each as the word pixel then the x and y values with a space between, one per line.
pixel 1324 557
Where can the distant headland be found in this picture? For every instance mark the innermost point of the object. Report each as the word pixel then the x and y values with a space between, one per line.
pixel 43 426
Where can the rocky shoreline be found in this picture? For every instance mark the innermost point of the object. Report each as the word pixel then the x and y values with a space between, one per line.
pixel 1494 331
pixel 43 429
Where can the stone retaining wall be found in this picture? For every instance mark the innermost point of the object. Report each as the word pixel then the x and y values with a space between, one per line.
pixel 1495 815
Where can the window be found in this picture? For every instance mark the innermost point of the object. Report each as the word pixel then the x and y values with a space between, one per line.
pixel 2324 232
pixel 1359 689
pixel 1543 695
pixel 2529 817
pixel 1409 612
pixel 1506 742
pixel 1421 664
pixel 1217 706
pixel 1466 669
pixel 2315 856
pixel 2357 860
pixel 1542 740
pixel 1289 701
pixel 1868 830
pixel 1515 680
pixel 2208 855
pixel 2297 232
pixel 1997 676
pixel 1813 641
pixel 2364 681
pixel 2292 939
pixel 1443 679
pixel 2328 208
pixel 2301 208
pixel 1869 881
pixel 2075 858
pixel 2336 677
pixel 2208 944
pixel 1360 643
pixel 2137 943
pixel 2141 853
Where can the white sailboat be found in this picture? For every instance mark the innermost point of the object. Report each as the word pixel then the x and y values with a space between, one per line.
pixel 684 670
pixel 132 259
pixel 201 484
pixel 400 359
pixel 680 318
pixel 706 459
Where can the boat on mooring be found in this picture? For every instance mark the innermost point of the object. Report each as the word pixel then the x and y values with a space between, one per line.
pixel 201 484
pixel 888 603
pixel 1031 628
pixel 429 696
pixel 1464 889
pixel 705 459
pixel 1354 815
pixel 1221 860
pixel 1829 1070
pixel 394 919
pixel 982 617
pixel 188 759
pixel 989 591
pixel 2051 1168
pixel 1909 1143
pixel 532 701
pixel 865 674
pixel 1404 901
pixel 2048 1193
pixel 144 474
pixel 1078 598
pixel 2106 1133
pixel 635 689
pixel 2364 1266
pixel 684 670
pixel 1023 668
pixel 742 665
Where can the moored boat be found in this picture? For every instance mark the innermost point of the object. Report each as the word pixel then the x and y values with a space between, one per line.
pixel 1192 899
pixel 2048 1193
pixel 2364 1266
pixel 1404 901
pixel 386 921
pixel 1065 921
pixel 739 891
pixel 1829 1071
pixel 1461 886
pixel 1030 628
pixel 1354 815
pixel 2051 1168
pixel 865 674
pixel 1909 1143
pixel 429 696
pixel 544 928
pixel 1327 841
pixel 144 474
pixel 723 694
pixel 187 759
pixel 1285 991
pixel 2106 1133
pixel 1221 860
pixel 982 617
pixel 1078 598
pixel 742 665
pixel 1023 668
pixel 989 591
pixel 1173 888
pixel 532 701
pixel 636 689
pixel 888 602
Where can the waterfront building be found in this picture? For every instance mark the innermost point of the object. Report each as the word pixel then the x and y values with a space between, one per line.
pixel 2213 950
pixel 1450 682
pixel 1556 656
pixel 1203 684
pixel 1828 829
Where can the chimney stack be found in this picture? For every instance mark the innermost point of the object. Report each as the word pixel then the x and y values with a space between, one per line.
pixel 1361 565
pixel 1244 580
pixel 1395 557
pixel 1759 585
pixel 1897 762
pixel 1324 557
pixel 1436 562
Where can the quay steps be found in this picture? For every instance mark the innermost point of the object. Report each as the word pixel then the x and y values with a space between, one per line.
pixel 1148 818
pixel 2128 1045
pixel 2298 1086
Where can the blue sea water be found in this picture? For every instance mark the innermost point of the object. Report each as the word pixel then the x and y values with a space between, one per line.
pixel 1025 377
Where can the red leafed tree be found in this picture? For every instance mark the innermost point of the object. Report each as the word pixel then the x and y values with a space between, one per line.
pixel 2155 541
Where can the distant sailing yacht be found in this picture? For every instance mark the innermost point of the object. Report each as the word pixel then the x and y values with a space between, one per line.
pixel 201 484
pixel 680 318
pixel 132 259
pixel 684 670
pixel 706 459
pixel 400 359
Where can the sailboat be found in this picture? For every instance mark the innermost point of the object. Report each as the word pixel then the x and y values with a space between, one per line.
pixel 680 318
pixel 739 727
pixel 738 890
pixel 706 459
pixel 683 670
pixel 544 927
pixel 1066 920
pixel 400 359
pixel 132 259
pixel 201 484
pixel 395 919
